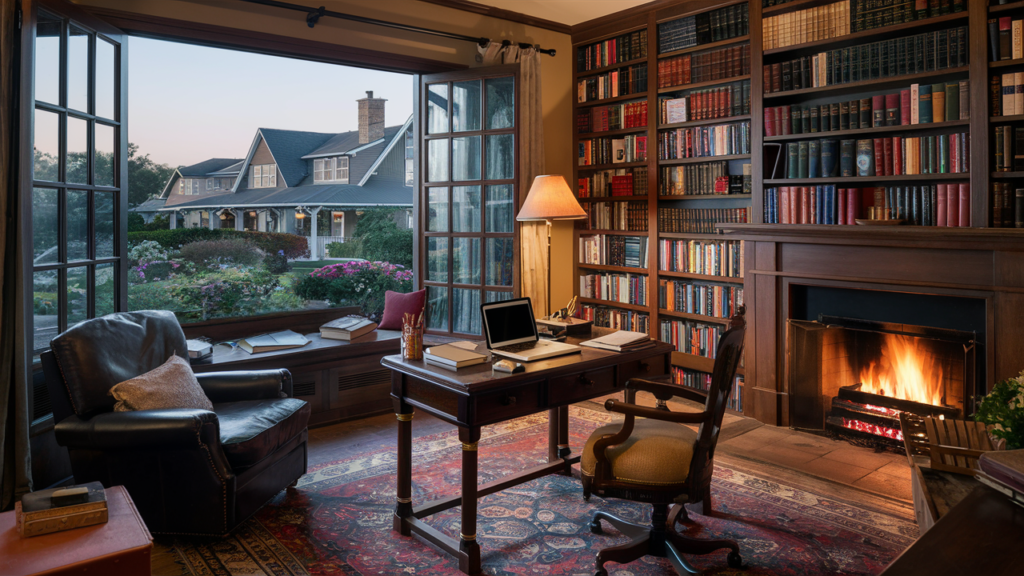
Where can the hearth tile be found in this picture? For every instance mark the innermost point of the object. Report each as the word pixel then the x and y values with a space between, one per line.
pixel 863 457
pixel 887 484
pixel 899 468
pixel 780 455
pixel 812 444
pixel 833 470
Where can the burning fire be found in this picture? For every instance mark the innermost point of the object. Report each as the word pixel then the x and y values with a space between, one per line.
pixel 875 429
pixel 906 371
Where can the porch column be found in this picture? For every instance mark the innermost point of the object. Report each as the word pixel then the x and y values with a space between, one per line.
pixel 212 216
pixel 173 219
pixel 313 233
pixel 239 219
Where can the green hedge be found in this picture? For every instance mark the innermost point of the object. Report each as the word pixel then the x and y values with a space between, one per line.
pixel 292 245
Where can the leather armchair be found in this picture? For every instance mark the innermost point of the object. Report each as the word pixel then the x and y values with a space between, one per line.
pixel 189 471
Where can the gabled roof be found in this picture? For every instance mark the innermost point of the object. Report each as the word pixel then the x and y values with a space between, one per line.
pixel 206 167
pixel 151 205
pixel 288 147
pixel 340 144
pixel 378 192
pixel 230 170
pixel 363 157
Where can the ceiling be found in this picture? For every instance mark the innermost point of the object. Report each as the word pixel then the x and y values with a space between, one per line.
pixel 568 12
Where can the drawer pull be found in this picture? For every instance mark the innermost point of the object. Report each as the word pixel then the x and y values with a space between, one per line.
pixel 585 382
pixel 508 400
pixel 644 366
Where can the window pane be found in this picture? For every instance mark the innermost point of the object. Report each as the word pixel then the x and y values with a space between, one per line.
pixel 437 259
pixel 78 225
pixel 437 108
pixel 437 160
pixel 497 296
pixel 500 209
pixel 45 218
pixel 105 157
pixel 499 262
pixel 78 69
pixel 77 151
pixel 105 81
pixel 466 260
pixel 103 204
pixel 78 295
pixel 106 287
pixel 437 209
pixel 45 319
pixel 466 209
pixel 47 57
pixel 466 311
pixel 501 154
pixel 437 307
pixel 501 100
pixel 466 158
pixel 466 102
pixel 46 165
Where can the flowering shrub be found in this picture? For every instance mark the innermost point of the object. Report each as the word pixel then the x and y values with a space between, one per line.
pixel 156 271
pixel 221 294
pixel 1003 411
pixel 357 283
pixel 227 251
pixel 293 245
pixel 147 251
pixel 277 262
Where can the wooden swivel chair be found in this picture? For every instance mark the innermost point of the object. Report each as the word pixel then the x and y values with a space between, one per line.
pixel 659 460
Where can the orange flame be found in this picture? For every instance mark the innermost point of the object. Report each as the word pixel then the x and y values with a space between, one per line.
pixel 906 371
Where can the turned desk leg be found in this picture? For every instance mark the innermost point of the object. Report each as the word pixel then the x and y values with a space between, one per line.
pixel 403 508
pixel 553 435
pixel 469 561
pixel 563 434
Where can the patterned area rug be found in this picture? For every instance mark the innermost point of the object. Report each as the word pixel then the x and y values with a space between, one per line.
pixel 338 519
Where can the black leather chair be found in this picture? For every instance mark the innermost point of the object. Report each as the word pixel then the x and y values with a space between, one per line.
pixel 188 471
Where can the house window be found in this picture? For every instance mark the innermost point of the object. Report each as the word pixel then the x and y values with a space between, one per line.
pixel 209 184
pixel 264 176
pixel 181 186
pixel 331 169
pixel 342 172
pixel 410 162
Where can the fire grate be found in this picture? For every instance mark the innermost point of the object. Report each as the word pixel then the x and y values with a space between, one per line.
pixel 871 419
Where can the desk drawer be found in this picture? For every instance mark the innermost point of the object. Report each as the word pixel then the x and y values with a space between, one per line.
pixel 511 403
pixel 649 368
pixel 576 387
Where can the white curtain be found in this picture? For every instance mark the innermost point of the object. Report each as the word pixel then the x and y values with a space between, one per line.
pixel 533 236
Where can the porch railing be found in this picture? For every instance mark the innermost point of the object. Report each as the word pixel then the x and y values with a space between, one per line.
pixel 318 245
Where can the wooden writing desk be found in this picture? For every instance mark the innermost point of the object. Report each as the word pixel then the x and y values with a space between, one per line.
pixel 473 397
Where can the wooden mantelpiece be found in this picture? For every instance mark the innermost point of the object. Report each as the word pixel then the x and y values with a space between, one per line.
pixel 982 263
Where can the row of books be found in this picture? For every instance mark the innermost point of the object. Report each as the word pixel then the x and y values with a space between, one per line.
pixel 612 117
pixel 1007 206
pixel 704 179
pixel 704 141
pixel 916 54
pixel 707 104
pixel 1007 94
pixel 628 216
pixel 608 317
pixel 701 381
pixel 896 156
pixel 615 287
pixel 717 300
pixel 609 250
pixel 709 257
pixel 1005 39
pixel 617 182
pixel 707 66
pixel 808 25
pixel 700 220
pixel 629 148
pixel 919 104
pixel 921 205
pixel 609 52
pixel 621 82
pixel 691 337
pixel 704 28
pixel 1009 149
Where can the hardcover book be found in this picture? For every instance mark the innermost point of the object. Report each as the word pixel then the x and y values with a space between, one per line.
pixel 865 158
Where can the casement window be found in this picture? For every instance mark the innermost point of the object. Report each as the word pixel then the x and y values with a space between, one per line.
pixel 263 176
pixel 331 170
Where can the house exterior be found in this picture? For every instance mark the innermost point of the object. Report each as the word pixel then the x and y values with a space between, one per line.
pixel 309 183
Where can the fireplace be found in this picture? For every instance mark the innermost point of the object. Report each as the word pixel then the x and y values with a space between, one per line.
pixel 853 378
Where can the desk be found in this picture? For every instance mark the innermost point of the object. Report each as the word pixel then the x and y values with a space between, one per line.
pixel 473 397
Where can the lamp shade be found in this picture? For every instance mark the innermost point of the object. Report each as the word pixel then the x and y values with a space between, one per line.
pixel 550 198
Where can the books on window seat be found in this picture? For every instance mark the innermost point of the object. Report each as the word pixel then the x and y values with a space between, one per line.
pixel 347 328
pixel 283 340
pixel 452 356
pixel 621 341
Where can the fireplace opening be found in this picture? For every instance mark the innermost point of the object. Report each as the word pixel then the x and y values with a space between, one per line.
pixel 853 378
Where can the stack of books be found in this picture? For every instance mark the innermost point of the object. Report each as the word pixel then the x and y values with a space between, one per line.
pixel 283 340
pixel 347 328
pixel 604 250
pixel 453 356
pixel 621 341
pixel 60 509
pixel 1003 470
pixel 703 179
pixel 628 216
pixel 616 182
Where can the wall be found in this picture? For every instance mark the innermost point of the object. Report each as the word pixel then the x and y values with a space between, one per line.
pixel 556 79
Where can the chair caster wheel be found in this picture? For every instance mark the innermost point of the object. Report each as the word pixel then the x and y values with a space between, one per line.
pixel 734 560
pixel 601 572
pixel 595 528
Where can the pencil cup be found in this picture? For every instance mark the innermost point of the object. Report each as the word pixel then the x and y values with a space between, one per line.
pixel 412 339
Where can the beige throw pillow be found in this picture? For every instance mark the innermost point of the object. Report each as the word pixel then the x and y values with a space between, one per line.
pixel 172 385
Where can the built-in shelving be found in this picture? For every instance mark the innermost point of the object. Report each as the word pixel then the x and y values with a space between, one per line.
pixel 702 47
pixel 702 159
pixel 864 36
pixel 706 197
pixel 902 129
pixel 903 81
pixel 725 120
pixel 705 84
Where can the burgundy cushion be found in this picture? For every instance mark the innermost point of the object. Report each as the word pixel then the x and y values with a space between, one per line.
pixel 396 305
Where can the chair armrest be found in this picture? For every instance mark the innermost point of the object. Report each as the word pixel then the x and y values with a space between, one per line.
pixel 174 428
pixel 246 385
pixel 665 390
pixel 654 413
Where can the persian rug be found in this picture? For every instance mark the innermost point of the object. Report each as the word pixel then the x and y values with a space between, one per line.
pixel 338 519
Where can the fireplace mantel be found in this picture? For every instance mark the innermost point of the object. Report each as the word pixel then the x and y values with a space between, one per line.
pixel 980 263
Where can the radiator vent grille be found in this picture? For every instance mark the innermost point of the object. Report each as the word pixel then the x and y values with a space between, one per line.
pixel 41 405
pixel 304 388
pixel 350 381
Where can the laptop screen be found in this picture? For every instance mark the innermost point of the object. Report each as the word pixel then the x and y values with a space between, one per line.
pixel 509 322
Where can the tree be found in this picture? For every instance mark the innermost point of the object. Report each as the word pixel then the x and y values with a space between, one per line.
pixel 146 178
pixel 382 239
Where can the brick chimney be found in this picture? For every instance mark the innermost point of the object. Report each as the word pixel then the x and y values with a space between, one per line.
pixel 371 118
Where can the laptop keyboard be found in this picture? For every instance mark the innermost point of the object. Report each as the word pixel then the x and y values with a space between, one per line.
pixel 515 348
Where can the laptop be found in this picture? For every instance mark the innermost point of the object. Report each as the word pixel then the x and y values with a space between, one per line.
pixel 511 331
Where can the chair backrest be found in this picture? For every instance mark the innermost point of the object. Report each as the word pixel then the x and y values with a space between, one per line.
pixel 956 445
pixel 727 360
pixel 96 354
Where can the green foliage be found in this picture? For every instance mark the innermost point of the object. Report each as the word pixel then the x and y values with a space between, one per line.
pixel 1003 411
pixel 277 263
pixel 353 248
pixel 229 293
pixel 291 245
pixel 146 251
pixel 357 283
pixel 146 178
pixel 381 238
pixel 136 223
pixel 224 251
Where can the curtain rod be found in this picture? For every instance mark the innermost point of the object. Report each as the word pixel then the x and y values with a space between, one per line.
pixel 313 16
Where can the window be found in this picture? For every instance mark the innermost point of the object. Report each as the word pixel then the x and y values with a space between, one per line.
pixel 342 173
pixel 209 183
pixel 410 162
pixel 181 186
pixel 331 169
pixel 264 175
pixel 468 206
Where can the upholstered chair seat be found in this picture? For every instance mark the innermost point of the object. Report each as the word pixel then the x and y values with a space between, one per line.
pixel 656 453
